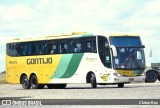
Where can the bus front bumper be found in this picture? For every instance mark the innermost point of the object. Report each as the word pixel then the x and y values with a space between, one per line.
pixel 119 79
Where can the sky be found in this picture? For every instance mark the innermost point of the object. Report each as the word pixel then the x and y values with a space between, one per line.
pixel 38 18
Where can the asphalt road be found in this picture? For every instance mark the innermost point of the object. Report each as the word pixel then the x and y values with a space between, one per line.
pixel 84 91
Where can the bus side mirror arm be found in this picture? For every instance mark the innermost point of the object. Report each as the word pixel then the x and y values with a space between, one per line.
pixel 114 50
pixel 150 52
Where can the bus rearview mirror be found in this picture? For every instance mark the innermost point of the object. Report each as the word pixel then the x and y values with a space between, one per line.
pixel 114 50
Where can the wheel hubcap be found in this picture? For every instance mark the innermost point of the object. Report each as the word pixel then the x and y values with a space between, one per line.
pixel 25 82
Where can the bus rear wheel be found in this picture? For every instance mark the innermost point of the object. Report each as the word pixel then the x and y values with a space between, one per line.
pixel 34 83
pixel 25 82
pixel 93 81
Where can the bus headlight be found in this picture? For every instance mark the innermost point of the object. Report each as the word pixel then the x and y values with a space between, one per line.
pixel 116 74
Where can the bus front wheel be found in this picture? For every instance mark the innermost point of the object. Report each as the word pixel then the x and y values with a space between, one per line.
pixel 25 82
pixel 93 81
pixel 34 83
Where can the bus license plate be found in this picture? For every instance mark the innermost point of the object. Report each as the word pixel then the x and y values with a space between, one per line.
pixel 131 79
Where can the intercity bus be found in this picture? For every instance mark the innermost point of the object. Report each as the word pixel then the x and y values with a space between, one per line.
pixel 57 60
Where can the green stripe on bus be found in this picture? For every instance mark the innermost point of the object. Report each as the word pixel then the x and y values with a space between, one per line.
pixel 83 35
pixel 73 65
pixel 62 67
pixel 87 35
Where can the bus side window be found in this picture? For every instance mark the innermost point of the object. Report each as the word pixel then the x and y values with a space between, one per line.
pixel 42 48
pixel 72 46
pixel 18 49
pixel 37 48
pixel 76 46
pixel 23 49
pixel 33 49
pixel 29 49
pixel 63 46
pixel 52 47
pixel 13 49
pixel 91 44
pixel 10 49
pixel 62 49
pixel 79 47
pixel 94 45
pixel 46 49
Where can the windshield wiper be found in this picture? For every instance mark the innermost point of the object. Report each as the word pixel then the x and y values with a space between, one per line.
pixel 136 62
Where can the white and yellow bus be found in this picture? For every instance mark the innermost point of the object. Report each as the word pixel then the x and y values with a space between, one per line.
pixel 58 60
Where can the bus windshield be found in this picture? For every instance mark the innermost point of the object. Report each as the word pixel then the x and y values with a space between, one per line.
pixel 125 41
pixel 130 54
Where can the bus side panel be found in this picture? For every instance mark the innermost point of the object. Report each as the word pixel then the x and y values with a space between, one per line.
pixel 11 75
pixel 44 74
pixel 19 71
pixel 77 67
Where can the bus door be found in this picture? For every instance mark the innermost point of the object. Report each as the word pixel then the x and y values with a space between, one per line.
pixel 104 51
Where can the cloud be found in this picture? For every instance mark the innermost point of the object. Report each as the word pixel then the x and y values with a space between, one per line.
pixel 18 12
pixel 146 18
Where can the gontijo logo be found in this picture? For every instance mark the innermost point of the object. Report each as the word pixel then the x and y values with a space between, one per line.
pixel 39 60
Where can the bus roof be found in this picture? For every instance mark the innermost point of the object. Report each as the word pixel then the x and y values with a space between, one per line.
pixel 69 35
pixel 125 35
pixel 54 36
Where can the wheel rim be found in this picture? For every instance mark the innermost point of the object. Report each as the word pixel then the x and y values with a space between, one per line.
pixel 34 82
pixel 25 82
pixel 152 77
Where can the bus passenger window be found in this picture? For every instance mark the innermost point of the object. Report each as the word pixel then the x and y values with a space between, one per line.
pixel 29 49
pixel 53 49
pixel 89 47
pixel 90 44
pixel 63 46
pixel 76 46
pixel 24 49
pixel 62 49
pixel 33 49
pixel 18 50
pixel 37 48
pixel 94 46
pixel 42 49
pixel 10 49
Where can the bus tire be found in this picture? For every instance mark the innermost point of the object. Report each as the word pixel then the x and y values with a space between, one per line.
pixel 120 85
pixel 34 83
pixel 151 76
pixel 158 77
pixel 25 82
pixel 93 81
